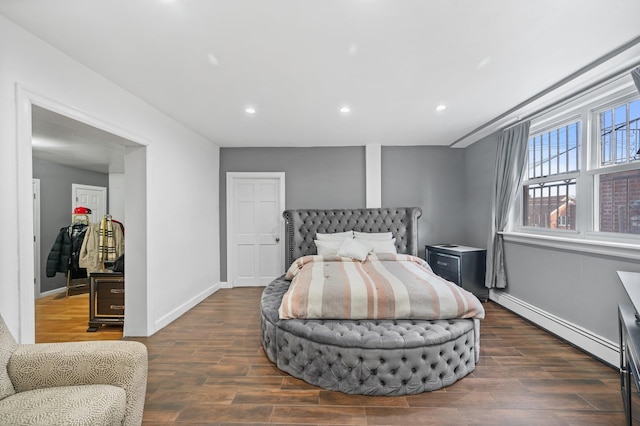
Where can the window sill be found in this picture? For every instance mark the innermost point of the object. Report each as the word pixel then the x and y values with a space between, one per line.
pixel 607 248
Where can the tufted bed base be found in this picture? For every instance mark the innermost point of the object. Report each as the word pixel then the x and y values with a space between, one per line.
pixel 367 357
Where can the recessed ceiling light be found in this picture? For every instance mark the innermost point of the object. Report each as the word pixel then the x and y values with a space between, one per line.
pixel 250 110
pixel 441 107
pixel 345 109
pixel 484 62
pixel 213 60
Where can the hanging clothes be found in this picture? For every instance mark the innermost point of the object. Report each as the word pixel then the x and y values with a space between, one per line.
pixel 103 242
pixel 65 253
pixel 106 241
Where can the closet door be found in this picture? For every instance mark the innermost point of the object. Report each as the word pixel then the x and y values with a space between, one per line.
pixel 93 197
pixel 255 246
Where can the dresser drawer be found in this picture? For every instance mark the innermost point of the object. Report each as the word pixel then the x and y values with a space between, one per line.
pixel 110 307
pixel 444 262
pixel 106 304
pixel 109 288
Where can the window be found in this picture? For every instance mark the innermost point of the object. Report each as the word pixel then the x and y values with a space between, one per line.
pixel 583 167
pixel 553 167
pixel 619 191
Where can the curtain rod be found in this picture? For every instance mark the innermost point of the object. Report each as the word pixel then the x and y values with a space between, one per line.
pixel 556 86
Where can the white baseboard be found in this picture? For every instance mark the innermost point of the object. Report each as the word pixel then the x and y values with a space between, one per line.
pixel 182 309
pixel 598 346
pixel 54 291
pixel 225 284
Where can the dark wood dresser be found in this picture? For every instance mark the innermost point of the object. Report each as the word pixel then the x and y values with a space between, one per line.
pixel 462 265
pixel 629 335
pixel 106 299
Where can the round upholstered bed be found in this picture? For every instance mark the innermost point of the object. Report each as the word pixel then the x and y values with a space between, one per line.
pixel 369 357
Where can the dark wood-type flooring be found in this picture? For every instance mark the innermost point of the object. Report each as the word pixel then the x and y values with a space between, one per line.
pixel 208 368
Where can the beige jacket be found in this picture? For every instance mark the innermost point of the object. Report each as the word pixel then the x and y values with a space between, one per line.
pixel 90 257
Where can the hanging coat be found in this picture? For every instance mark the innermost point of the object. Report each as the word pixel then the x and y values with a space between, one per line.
pixel 94 248
pixel 65 253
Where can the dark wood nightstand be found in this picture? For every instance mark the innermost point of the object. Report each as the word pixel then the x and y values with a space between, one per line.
pixel 106 299
pixel 462 265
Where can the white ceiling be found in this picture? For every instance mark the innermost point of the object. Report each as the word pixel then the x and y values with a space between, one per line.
pixel 298 61
pixel 65 141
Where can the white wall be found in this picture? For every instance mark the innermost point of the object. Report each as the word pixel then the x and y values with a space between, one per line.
pixel 116 195
pixel 177 264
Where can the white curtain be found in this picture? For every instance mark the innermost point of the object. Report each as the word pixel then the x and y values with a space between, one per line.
pixel 510 165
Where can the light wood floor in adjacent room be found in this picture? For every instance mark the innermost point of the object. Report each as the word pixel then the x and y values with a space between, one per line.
pixel 61 318
pixel 208 368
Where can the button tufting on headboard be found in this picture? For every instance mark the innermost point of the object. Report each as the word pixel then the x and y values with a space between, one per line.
pixel 302 226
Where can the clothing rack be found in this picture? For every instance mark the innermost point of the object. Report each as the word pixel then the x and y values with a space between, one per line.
pixel 77 279
pixel 83 247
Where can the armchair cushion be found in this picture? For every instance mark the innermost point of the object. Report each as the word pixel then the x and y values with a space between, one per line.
pixel 88 405
pixel 117 363
pixel 7 346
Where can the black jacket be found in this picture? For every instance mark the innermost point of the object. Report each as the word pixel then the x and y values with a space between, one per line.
pixel 65 251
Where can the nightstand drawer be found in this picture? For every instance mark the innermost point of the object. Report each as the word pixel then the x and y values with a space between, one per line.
pixel 462 265
pixel 447 275
pixel 444 262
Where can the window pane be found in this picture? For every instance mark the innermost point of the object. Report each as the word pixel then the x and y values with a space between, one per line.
pixel 634 129
pixel 553 151
pixel 620 202
pixel 557 151
pixel 606 127
pixel 544 148
pixel 532 158
pixel 550 205
pixel 619 136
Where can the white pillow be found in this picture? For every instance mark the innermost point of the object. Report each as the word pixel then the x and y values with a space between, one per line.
pixel 336 236
pixel 329 248
pixel 380 246
pixel 354 249
pixel 372 235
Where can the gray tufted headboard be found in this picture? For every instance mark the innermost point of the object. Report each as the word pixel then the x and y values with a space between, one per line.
pixel 301 227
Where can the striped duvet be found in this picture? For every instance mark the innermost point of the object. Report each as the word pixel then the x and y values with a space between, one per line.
pixel 385 286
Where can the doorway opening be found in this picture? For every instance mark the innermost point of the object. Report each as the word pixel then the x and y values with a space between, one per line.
pixel 62 137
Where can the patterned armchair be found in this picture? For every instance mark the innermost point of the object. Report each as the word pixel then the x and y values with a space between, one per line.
pixel 79 383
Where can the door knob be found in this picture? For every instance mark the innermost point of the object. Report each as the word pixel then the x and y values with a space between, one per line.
pixel 277 240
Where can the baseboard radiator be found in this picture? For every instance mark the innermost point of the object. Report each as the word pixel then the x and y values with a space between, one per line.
pixel 595 345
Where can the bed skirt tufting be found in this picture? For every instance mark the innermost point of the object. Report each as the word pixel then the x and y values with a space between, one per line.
pixel 368 357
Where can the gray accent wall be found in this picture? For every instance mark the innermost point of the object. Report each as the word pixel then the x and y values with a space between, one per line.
pixel 578 287
pixel 55 208
pixel 320 177
pixel 432 178
pixel 479 166
pixel 429 177
pixel 453 188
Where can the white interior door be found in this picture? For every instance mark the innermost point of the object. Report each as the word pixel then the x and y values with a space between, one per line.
pixel 93 197
pixel 255 244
